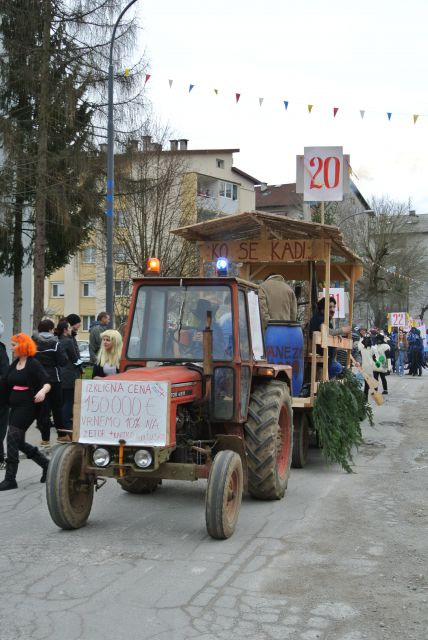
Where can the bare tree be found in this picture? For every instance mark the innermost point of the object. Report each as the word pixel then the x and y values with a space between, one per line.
pixel 156 193
pixel 423 308
pixel 392 257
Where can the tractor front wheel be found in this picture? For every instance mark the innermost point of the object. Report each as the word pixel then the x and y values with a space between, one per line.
pixel 269 440
pixel 69 492
pixel 224 494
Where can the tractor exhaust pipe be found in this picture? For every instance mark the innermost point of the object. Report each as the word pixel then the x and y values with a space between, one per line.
pixel 207 344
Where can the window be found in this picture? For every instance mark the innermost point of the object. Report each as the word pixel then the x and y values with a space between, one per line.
pixel 88 255
pixel 229 190
pixel 88 289
pixel 122 288
pixel 219 163
pixel 87 321
pixel 244 342
pixel 57 289
pixel 168 321
pixel 121 254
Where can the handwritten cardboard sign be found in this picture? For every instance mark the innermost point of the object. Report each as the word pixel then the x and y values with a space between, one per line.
pixel 112 410
pixel 263 250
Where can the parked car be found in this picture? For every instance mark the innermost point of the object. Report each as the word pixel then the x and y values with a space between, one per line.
pixel 84 351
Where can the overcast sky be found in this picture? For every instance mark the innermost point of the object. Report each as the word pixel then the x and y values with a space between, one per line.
pixel 369 55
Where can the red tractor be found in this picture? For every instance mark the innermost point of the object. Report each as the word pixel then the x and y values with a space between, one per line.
pixel 218 410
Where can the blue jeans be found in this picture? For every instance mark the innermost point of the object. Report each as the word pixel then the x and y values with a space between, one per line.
pixel 400 363
pixel 334 369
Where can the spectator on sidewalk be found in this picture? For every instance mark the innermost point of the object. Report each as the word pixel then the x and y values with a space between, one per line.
pixel 108 359
pixel 416 353
pixel 73 369
pixel 380 359
pixel 95 332
pixel 366 353
pixel 393 341
pixel 23 389
pixel 402 348
pixel 51 357
pixel 4 411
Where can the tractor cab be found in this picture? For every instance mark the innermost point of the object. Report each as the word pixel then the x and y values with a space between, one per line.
pixel 212 324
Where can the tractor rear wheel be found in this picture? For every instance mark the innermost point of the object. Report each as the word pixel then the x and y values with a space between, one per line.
pixel 69 492
pixel 300 440
pixel 224 494
pixel 139 485
pixel 269 440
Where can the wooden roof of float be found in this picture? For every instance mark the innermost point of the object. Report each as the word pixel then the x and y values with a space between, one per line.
pixel 253 224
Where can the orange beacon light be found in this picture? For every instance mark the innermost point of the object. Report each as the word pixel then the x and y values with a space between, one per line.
pixel 153 265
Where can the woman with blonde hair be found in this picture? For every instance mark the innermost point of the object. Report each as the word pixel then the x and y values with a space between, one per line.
pixel 23 390
pixel 108 357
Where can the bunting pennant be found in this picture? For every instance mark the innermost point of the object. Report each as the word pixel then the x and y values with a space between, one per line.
pixel 147 77
pixel 392 271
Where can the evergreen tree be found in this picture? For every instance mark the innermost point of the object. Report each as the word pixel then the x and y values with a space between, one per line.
pixel 52 97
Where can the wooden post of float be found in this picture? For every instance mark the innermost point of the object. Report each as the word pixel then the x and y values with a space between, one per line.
pixel 201 260
pixel 351 311
pixel 326 307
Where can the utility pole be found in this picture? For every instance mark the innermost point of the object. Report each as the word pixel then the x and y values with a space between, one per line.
pixel 110 176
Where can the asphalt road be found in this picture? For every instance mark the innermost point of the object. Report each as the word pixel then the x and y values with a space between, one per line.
pixel 342 557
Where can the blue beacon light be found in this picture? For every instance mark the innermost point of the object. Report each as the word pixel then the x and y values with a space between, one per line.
pixel 222 266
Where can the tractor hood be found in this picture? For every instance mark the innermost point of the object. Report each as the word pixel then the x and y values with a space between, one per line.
pixel 178 374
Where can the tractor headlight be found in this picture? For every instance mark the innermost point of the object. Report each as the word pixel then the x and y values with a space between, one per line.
pixel 101 457
pixel 143 458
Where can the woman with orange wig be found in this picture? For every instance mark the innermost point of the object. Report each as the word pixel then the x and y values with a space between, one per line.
pixel 23 389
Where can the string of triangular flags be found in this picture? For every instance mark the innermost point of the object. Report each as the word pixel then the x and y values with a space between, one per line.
pixel 392 271
pixel 286 103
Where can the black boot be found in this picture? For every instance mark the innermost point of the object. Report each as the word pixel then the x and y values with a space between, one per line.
pixel 9 481
pixel 42 461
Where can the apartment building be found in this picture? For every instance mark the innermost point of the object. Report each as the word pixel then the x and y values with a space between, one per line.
pixel 208 185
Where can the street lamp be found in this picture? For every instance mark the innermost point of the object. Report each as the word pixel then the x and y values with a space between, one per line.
pixel 367 212
pixel 110 174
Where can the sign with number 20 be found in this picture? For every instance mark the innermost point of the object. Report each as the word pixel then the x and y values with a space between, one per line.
pixel 323 174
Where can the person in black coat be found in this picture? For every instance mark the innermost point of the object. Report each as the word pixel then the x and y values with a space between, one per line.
pixel 4 411
pixel 70 372
pixel 51 357
pixel 23 389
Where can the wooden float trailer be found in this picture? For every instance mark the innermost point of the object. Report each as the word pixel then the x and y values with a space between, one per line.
pixel 258 244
